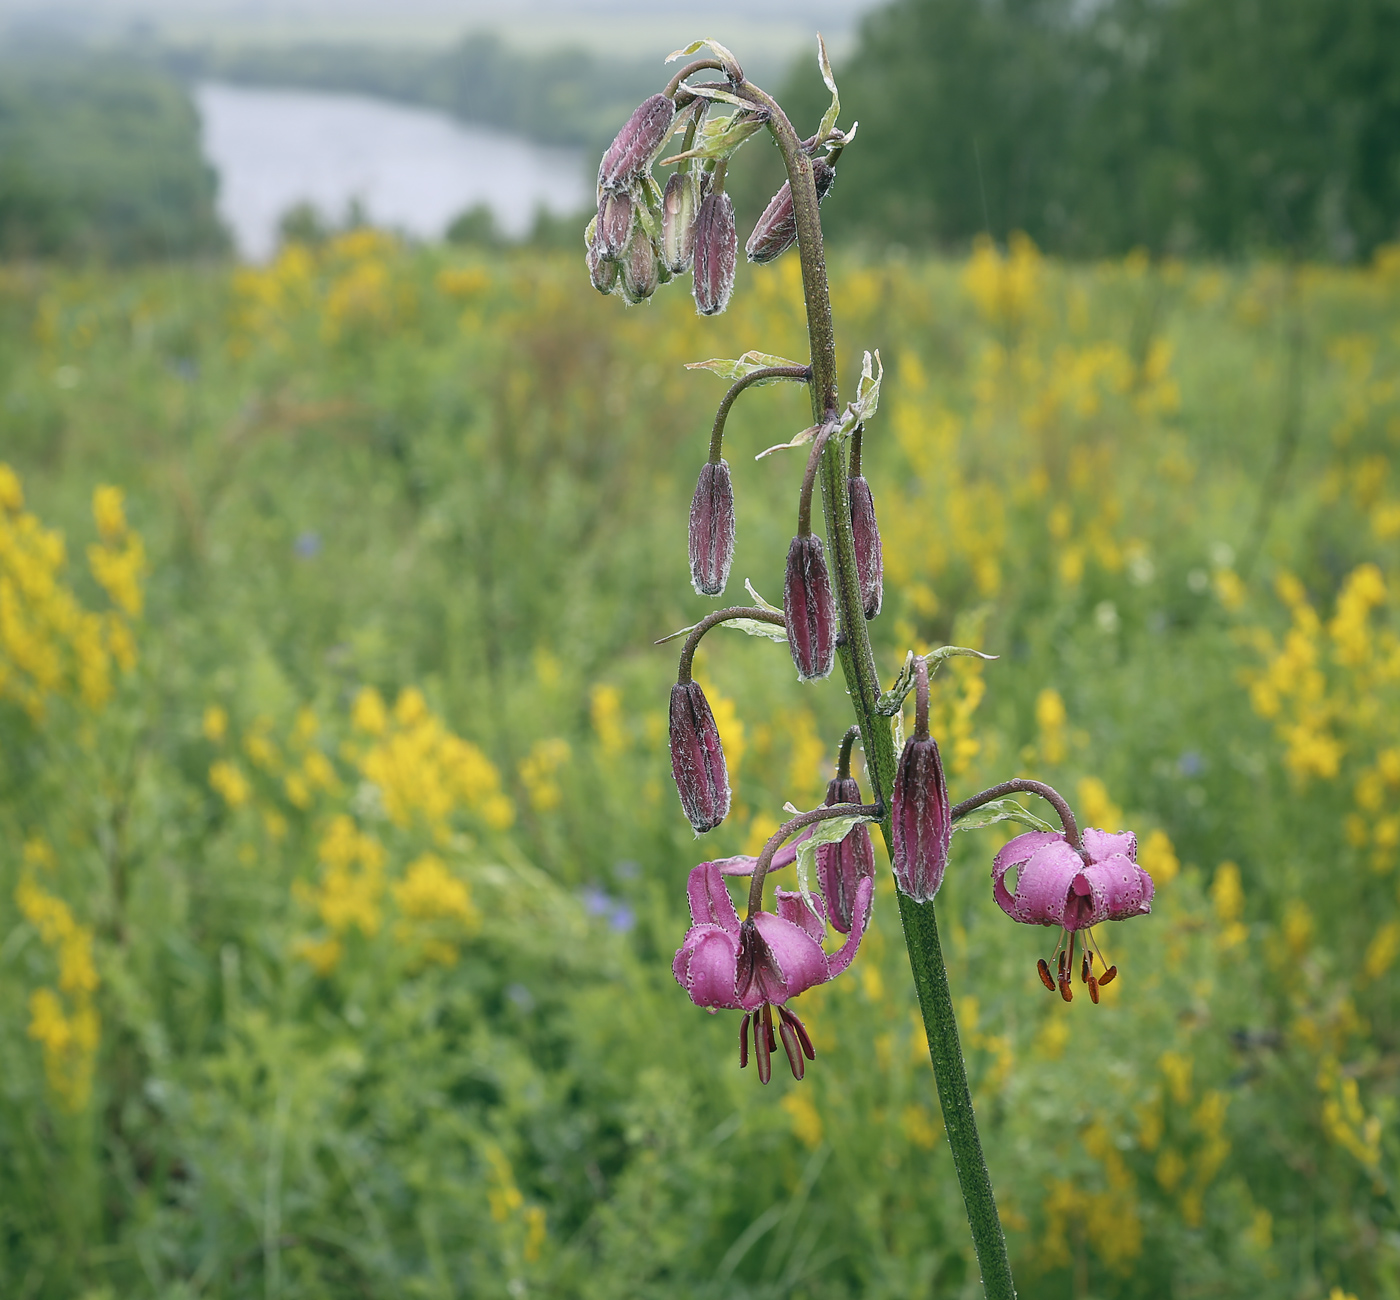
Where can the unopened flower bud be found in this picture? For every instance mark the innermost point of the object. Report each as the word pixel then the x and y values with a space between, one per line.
pixel 841 867
pixel 640 272
pixel 615 222
pixel 634 147
pixel 922 828
pixel 712 530
pixel 776 230
pixel 680 206
pixel 602 271
pixel 697 759
pixel 716 252
pixel 809 609
pixel 870 561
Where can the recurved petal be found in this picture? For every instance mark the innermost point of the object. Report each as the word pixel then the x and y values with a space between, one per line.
pixel 799 958
pixel 1014 854
pixel 1044 881
pixel 1120 887
pixel 1104 844
pixel 843 956
pixel 710 903
pixel 792 908
pixel 705 965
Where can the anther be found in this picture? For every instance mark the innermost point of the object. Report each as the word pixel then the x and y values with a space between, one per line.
pixel 801 1030
pixel 1108 976
pixel 761 1050
pixel 1043 967
pixel 1093 990
pixel 744 1040
pixel 794 1050
pixel 768 1025
pixel 1084 968
pixel 1067 990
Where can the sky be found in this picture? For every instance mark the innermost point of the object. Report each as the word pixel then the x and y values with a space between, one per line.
pixel 776 28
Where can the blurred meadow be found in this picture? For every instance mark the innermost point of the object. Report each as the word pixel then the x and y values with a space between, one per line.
pixel 342 867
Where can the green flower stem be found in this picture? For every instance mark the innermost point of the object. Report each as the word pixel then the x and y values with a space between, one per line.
pixel 862 682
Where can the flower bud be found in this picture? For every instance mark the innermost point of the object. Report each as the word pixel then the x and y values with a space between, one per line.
pixel 870 561
pixel 776 230
pixel 922 827
pixel 680 205
pixel 712 530
pixel 631 152
pixel 640 272
pixel 716 251
pixel 615 222
pixel 809 609
pixel 602 271
pixel 841 867
pixel 697 759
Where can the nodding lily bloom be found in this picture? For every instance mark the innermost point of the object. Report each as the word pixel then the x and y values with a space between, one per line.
pixel 1057 885
pixel 758 964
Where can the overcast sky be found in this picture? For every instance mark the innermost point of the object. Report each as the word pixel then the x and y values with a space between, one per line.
pixel 631 26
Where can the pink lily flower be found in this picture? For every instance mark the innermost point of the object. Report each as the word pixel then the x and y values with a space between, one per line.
pixel 760 963
pixel 1058 885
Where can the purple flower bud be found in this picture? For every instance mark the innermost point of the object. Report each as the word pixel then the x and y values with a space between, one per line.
pixel 712 530
pixel 922 827
pixel 697 758
pixel 631 152
pixel 716 251
pixel 615 221
pixel 870 561
pixel 602 271
pixel 680 205
pixel 841 867
pixel 640 271
pixel 776 230
pixel 809 609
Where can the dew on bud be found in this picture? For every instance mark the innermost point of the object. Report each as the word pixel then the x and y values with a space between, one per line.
pixel 841 867
pixel 922 827
pixel 776 230
pixel 870 562
pixel 697 758
pixel 615 221
pixel 640 272
pixel 712 530
pixel 636 145
pixel 716 252
pixel 679 208
pixel 809 609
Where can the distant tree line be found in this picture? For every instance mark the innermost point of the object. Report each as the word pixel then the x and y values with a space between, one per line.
pixel 100 157
pixel 1184 126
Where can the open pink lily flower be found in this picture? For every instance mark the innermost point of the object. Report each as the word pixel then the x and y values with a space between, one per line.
pixel 760 963
pixel 1056 885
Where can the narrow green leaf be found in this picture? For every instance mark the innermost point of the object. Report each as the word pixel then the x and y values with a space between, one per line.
pixel 833 112
pixel 1000 810
pixel 759 601
pixel 832 831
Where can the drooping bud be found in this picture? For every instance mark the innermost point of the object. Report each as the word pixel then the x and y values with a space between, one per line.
pixel 615 221
pixel 776 230
pixel 870 560
pixel 634 147
pixel 679 208
pixel 716 252
pixel 922 828
pixel 697 758
pixel 841 867
pixel 712 530
pixel 809 609
pixel 602 271
pixel 640 271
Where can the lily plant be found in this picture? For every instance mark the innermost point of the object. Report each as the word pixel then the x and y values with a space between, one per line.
pixel 647 234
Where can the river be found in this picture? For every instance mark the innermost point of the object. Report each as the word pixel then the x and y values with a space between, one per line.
pixel 408 168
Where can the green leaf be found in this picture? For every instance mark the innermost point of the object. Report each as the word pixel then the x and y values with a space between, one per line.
pixel 773 631
pixel 723 96
pixel 737 368
pixel 801 440
pixel 759 601
pixel 867 399
pixel 1000 810
pixel 892 700
pixel 832 113
pixel 831 831
pixel 720 137
pixel 731 64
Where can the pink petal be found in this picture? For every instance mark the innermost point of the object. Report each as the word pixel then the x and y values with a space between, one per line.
pixel 705 965
pixel 1044 883
pixel 792 908
pixel 1016 854
pixel 1103 844
pixel 799 957
pixel 710 903
pixel 1121 889
pixel 843 956
pixel 743 864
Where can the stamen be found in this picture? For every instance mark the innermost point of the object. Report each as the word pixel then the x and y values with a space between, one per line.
pixel 761 1049
pixel 1093 990
pixel 1066 989
pixel 744 1040
pixel 1084 966
pixel 768 1025
pixel 802 1036
pixel 1108 976
pixel 1067 971
pixel 1043 967
pixel 794 1050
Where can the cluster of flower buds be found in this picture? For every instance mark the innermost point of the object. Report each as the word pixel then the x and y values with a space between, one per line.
pixel 642 236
